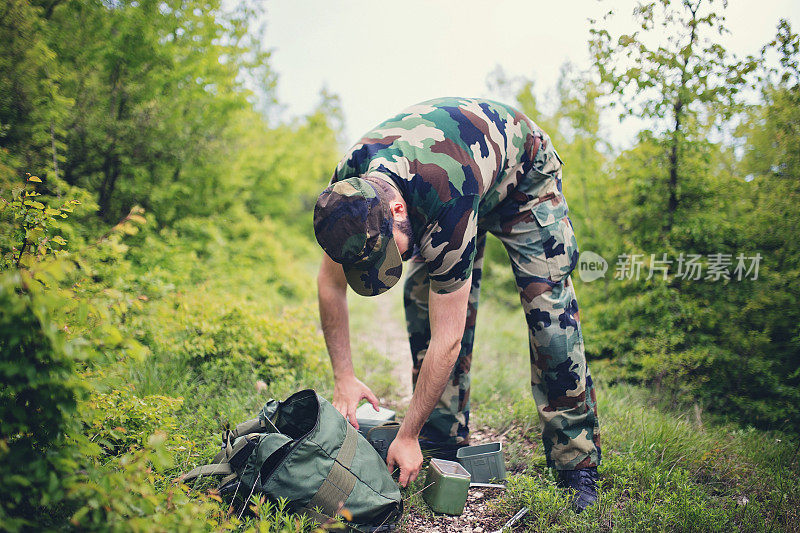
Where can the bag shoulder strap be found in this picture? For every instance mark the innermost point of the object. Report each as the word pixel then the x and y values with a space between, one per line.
pixel 339 483
pixel 218 469
pixel 220 465
pixel 254 425
pixel 248 427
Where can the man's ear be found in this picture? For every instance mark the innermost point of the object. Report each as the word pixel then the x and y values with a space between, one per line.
pixel 398 209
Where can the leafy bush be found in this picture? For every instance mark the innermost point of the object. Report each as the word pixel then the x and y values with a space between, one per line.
pixel 28 237
pixel 237 342
pixel 91 450
pixel 39 395
pixel 122 422
pixel 128 496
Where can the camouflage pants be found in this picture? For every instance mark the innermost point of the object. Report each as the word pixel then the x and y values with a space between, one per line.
pixel 560 380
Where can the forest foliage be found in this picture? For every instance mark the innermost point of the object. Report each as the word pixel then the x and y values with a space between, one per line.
pixel 158 260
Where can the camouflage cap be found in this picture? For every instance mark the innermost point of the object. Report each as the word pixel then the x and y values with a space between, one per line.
pixel 354 228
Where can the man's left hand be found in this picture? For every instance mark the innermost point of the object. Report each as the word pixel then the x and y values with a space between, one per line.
pixel 405 454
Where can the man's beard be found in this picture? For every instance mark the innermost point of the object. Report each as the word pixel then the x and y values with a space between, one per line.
pixel 404 226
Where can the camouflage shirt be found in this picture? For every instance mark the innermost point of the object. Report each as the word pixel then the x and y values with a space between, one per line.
pixel 454 161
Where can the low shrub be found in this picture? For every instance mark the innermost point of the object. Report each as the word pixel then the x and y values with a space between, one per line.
pixel 40 445
pixel 121 422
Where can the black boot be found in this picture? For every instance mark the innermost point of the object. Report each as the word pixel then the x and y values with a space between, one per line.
pixel 583 482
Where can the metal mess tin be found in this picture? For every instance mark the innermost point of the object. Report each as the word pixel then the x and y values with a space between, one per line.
pixel 484 462
pixel 381 437
pixel 446 487
pixel 369 418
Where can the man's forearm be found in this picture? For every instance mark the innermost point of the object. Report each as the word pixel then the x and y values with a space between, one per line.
pixel 434 373
pixel 336 328
pixel 347 389
pixel 448 313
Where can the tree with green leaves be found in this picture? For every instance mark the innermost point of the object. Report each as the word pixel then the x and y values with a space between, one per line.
pixel 683 85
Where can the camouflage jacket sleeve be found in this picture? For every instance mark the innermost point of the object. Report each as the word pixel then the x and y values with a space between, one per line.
pixel 448 244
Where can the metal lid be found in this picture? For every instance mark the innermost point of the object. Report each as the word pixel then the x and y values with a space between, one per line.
pixel 368 413
pixel 450 468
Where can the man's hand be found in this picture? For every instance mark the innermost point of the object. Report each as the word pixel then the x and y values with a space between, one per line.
pixel 347 393
pixel 405 454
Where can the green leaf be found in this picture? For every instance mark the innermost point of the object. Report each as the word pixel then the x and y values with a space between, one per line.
pixel 34 234
pixel 34 204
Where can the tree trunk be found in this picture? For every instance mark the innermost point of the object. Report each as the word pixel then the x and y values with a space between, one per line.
pixel 672 182
pixel 111 164
pixel 55 154
pixel 111 173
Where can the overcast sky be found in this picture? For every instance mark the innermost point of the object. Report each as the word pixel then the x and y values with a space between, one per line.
pixel 381 56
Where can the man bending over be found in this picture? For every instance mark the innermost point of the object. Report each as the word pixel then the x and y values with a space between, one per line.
pixel 426 186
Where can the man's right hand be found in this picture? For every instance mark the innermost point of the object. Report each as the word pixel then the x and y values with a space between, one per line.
pixel 404 454
pixel 347 393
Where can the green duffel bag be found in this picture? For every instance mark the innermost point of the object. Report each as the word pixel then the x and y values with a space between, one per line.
pixel 303 450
